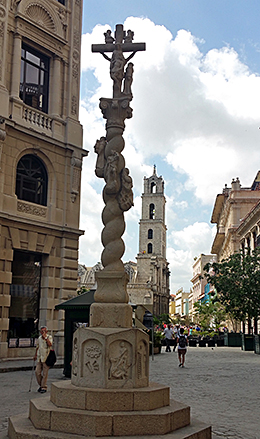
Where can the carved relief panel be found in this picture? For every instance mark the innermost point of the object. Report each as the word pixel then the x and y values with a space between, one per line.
pixel 92 359
pixel 120 360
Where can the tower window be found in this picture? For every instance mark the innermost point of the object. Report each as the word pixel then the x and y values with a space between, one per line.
pixel 152 211
pixel 153 188
pixel 31 180
pixel 150 248
pixel 150 234
pixel 34 80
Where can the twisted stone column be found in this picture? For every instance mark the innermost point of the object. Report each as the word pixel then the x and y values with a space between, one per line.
pixel 118 198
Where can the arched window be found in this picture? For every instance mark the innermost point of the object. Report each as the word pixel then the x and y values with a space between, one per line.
pixel 150 234
pixel 31 180
pixel 153 188
pixel 150 248
pixel 152 211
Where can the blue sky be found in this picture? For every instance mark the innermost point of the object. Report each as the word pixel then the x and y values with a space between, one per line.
pixel 196 115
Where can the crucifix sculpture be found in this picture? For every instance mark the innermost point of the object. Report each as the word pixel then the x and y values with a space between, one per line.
pixel 111 308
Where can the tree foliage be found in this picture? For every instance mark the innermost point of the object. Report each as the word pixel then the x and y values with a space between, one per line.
pixel 237 281
pixel 210 314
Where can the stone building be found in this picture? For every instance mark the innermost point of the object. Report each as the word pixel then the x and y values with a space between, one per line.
pixel 181 303
pixel 150 285
pixel 230 208
pixel 200 287
pixel 40 165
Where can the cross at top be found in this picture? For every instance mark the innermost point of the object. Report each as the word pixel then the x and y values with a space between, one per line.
pixel 121 43
pixel 120 38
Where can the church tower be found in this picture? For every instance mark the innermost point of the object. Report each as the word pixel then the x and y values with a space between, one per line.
pixel 40 166
pixel 151 286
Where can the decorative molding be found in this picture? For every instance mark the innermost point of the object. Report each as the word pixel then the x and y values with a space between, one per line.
pixel 2 12
pixel 41 16
pixel 74 105
pixel 76 165
pixel 31 209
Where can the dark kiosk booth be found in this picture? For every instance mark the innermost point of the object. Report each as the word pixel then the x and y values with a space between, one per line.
pixel 76 315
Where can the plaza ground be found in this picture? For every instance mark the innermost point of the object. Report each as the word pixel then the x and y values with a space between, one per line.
pixel 221 385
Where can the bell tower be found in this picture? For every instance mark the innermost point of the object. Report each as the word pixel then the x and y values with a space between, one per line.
pixel 152 232
pixel 151 285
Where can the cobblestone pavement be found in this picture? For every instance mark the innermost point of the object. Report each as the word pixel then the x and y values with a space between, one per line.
pixel 221 385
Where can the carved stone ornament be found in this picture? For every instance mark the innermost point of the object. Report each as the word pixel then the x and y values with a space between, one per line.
pixel 2 13
pixel 14 4
pixel 41 16
pixel 76 165
pixel 31 210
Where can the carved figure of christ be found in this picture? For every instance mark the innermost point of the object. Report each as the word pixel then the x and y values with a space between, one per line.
pixel 117 60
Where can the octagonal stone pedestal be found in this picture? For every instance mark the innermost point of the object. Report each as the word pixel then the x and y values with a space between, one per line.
pixel 110 358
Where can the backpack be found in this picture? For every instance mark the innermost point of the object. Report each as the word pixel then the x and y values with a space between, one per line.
pixel 182 341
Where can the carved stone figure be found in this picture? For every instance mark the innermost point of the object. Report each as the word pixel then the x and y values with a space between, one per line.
pixel 125 197
pixel 119 365
pixel 128 80
pixel 111 174
pixel 129 37
pixel 99 149
pixel 108 37
pixel 117 65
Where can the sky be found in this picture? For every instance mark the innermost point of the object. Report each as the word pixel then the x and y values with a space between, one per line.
pixel 196 116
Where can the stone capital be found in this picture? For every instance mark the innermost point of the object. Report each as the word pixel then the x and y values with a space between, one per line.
pixel 116 111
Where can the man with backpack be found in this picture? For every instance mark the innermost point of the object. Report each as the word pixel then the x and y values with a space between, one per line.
pixel 182 347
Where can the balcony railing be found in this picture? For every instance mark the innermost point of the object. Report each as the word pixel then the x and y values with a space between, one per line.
pixel 37 118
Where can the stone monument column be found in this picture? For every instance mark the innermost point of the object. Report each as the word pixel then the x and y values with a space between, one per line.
pixel 113 354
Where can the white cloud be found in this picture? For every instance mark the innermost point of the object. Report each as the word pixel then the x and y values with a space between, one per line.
pixel 183 246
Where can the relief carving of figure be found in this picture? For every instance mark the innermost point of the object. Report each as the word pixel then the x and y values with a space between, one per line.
pixel 125 196
pixel 117 65
pixel 99 149
pixel 119 365
pixel 111 175
pixel 128 79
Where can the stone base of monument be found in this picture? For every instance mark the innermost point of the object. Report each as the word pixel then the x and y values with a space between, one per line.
pixel 76 412
pixel 109 395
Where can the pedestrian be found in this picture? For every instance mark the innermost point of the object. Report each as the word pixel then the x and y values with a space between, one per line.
pixel 168 332
pixel 43 347
pixel 182 347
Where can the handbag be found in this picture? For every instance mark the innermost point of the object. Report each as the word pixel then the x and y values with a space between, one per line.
pixel 51 359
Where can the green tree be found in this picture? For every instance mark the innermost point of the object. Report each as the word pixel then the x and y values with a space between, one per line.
pixel 237 281
pixel 210 314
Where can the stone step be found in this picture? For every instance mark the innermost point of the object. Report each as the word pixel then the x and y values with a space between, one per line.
pixel 20 427
pixel 64 394
pixel 45 415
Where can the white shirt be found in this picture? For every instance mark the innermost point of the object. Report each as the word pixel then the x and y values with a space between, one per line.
pixel 43 348
pixel 168 333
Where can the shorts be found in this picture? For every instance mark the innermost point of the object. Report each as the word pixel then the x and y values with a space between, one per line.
pixel 182 351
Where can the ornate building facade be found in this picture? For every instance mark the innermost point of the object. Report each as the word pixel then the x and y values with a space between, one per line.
pixel 40 164
pixel 229 210
pixel 150 285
